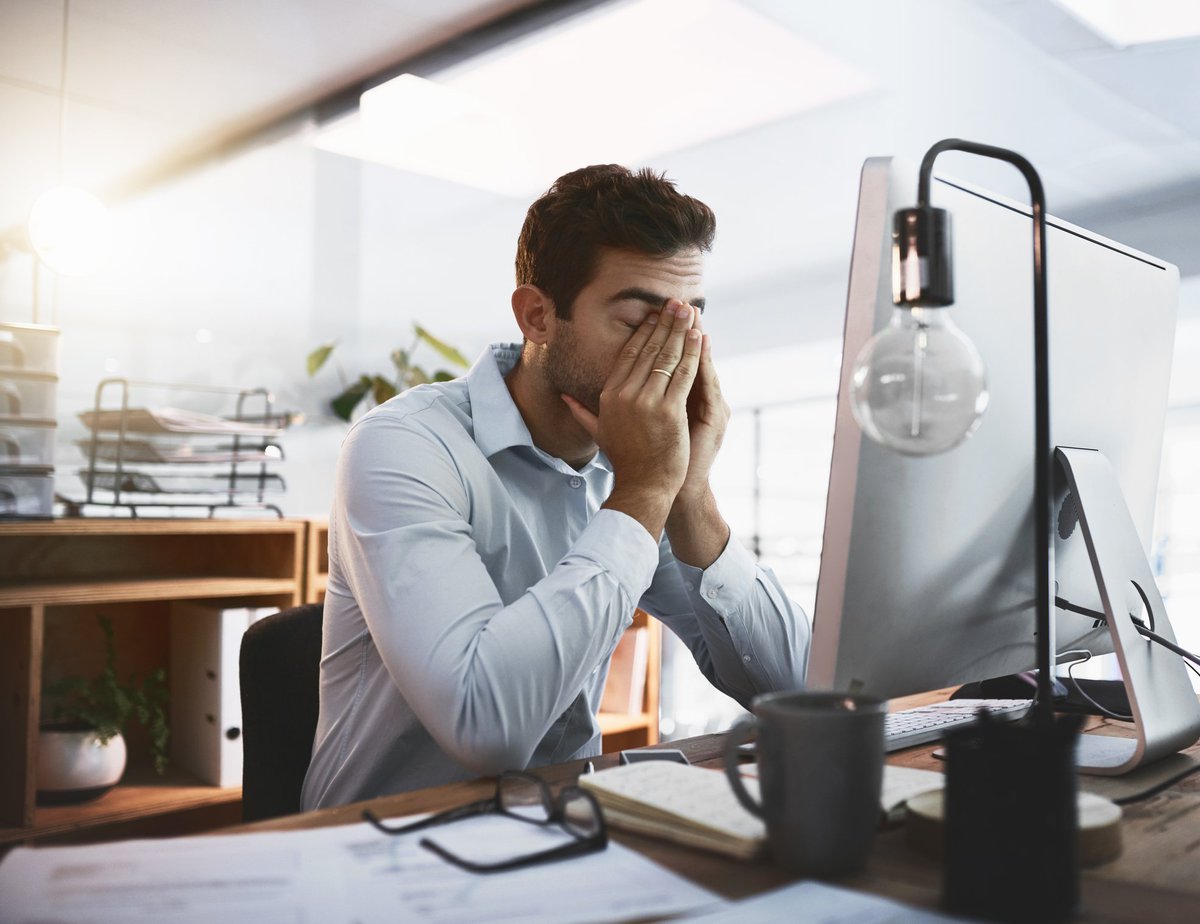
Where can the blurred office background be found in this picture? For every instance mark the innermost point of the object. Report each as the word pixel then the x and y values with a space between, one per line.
pixel 258 210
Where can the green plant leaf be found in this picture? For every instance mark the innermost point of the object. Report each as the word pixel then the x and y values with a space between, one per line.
pixel 107 705
pixel 416 376
pixel 448 352
pixel 443 376
pixel 316 359
pixel 382 389
pixel 345 403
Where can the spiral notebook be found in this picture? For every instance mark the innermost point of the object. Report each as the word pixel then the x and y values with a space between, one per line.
pixel 696 807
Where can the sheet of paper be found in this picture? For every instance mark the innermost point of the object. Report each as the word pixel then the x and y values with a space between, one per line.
pixel 817 903
pixel 352 873
pixel 255 877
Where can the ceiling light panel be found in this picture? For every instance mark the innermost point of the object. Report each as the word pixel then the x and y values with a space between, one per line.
pixel 623 83
pixel 1137 22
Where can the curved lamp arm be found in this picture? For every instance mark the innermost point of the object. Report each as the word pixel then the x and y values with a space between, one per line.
pixel 1043 458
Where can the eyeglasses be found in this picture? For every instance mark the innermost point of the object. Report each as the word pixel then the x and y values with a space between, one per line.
pixel 527 798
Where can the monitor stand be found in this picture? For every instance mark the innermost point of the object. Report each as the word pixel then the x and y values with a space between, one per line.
pixel 1164 706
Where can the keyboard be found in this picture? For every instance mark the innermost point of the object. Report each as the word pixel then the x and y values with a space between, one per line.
pixel 923 724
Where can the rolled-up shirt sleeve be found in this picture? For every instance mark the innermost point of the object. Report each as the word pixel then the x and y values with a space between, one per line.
pixel 486 676
pixel 746 636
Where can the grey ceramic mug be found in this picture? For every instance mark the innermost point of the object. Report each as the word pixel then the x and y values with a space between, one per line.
pixel 820 769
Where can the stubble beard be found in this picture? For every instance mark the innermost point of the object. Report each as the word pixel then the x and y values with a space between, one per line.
pixel 568 372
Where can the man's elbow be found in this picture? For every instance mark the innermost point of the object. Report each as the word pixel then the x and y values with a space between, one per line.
pixel 486 741
pixel 490 754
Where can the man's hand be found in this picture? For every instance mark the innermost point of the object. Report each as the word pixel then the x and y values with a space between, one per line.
pixel 643 422
pixel 708 417
pixel 695 526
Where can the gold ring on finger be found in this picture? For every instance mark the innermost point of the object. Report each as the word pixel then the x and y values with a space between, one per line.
pixel 665 372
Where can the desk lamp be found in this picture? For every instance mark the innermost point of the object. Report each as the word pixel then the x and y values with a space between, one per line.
pixel 919 387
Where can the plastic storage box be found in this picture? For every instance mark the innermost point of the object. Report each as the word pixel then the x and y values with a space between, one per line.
pixel 27 394
pixel 28 348
pixel 26 493
pixel 26 442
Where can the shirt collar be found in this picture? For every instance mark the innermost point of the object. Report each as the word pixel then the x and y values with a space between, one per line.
pixel 496 420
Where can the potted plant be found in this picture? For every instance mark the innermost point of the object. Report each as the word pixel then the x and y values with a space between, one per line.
pixel 81 750
pixel 406 374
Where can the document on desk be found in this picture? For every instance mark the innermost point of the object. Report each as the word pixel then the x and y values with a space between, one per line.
pixel 818 903
pixel 352 873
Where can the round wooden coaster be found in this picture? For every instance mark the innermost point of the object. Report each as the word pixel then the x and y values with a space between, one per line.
pixel 1099 826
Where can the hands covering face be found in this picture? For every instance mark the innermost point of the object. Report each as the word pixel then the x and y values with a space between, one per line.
pixel 662 417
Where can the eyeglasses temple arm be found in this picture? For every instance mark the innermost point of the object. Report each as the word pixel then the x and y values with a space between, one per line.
pixel 463 811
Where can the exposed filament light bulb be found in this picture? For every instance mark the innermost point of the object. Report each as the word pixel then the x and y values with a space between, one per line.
pixel 919 386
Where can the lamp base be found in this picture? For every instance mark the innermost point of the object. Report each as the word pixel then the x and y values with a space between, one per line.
pixel 1012 841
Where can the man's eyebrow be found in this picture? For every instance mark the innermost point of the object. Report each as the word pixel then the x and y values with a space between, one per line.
pixel 653 299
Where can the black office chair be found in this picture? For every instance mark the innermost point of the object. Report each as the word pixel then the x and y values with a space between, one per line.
pixel 279 672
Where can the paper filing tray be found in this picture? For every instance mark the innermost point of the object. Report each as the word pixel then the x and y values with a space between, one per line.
pixel 175 420
pixel 214 448
pixel 149 452
pixel 206 483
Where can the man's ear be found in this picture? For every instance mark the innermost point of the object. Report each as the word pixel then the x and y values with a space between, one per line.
pixel 534 311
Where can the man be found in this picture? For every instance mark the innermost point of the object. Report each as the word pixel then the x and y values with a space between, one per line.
pixel 491 537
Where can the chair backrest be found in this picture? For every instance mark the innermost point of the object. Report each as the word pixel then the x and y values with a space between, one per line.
pixel 280 675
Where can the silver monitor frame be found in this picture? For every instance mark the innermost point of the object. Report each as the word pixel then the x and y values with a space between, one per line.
pixel 927 575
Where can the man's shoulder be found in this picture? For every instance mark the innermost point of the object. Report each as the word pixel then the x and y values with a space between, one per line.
pixel 437 414
pixel 437 405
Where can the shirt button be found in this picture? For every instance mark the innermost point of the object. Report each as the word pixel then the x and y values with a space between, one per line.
pixel 689 585
pixel 711 594
pixel 746 658
pixel 576 481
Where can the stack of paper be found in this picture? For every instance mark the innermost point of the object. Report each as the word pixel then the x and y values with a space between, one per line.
pixel 176 420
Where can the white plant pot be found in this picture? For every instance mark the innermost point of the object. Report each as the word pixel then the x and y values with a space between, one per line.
pixel 74 766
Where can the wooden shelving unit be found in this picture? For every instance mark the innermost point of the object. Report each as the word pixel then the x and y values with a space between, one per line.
pixel 55 577
pixel 621 730
pixel 316 560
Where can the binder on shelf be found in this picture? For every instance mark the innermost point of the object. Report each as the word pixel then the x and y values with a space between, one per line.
pixel 206 705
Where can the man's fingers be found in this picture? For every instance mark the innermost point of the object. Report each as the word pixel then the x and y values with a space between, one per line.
pixel 706 378
pixel 689 364
pixel 659 359
pixel 632 351
pixel 589 421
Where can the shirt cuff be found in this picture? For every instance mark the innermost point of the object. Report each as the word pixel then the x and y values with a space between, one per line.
pixel 621 546
pixel 726 583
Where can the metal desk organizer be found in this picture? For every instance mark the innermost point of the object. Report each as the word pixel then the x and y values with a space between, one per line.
pixel 165 457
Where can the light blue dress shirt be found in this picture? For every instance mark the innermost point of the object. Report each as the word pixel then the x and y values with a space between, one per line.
pixel 477 591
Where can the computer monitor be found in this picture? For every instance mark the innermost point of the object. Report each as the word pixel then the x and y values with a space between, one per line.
pixel 927 569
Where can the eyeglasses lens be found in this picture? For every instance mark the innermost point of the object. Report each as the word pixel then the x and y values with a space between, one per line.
pixel 525 798
pixel 579 814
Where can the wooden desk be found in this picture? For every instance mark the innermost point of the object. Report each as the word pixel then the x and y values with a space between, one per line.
pixel 1157 877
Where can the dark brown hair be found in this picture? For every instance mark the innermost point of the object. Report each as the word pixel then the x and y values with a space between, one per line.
pixel 600 207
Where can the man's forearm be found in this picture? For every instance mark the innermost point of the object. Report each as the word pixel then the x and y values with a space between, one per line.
pixel 696 529
pixel 648 506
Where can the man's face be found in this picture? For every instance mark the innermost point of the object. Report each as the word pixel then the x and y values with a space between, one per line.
pixel 627 287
